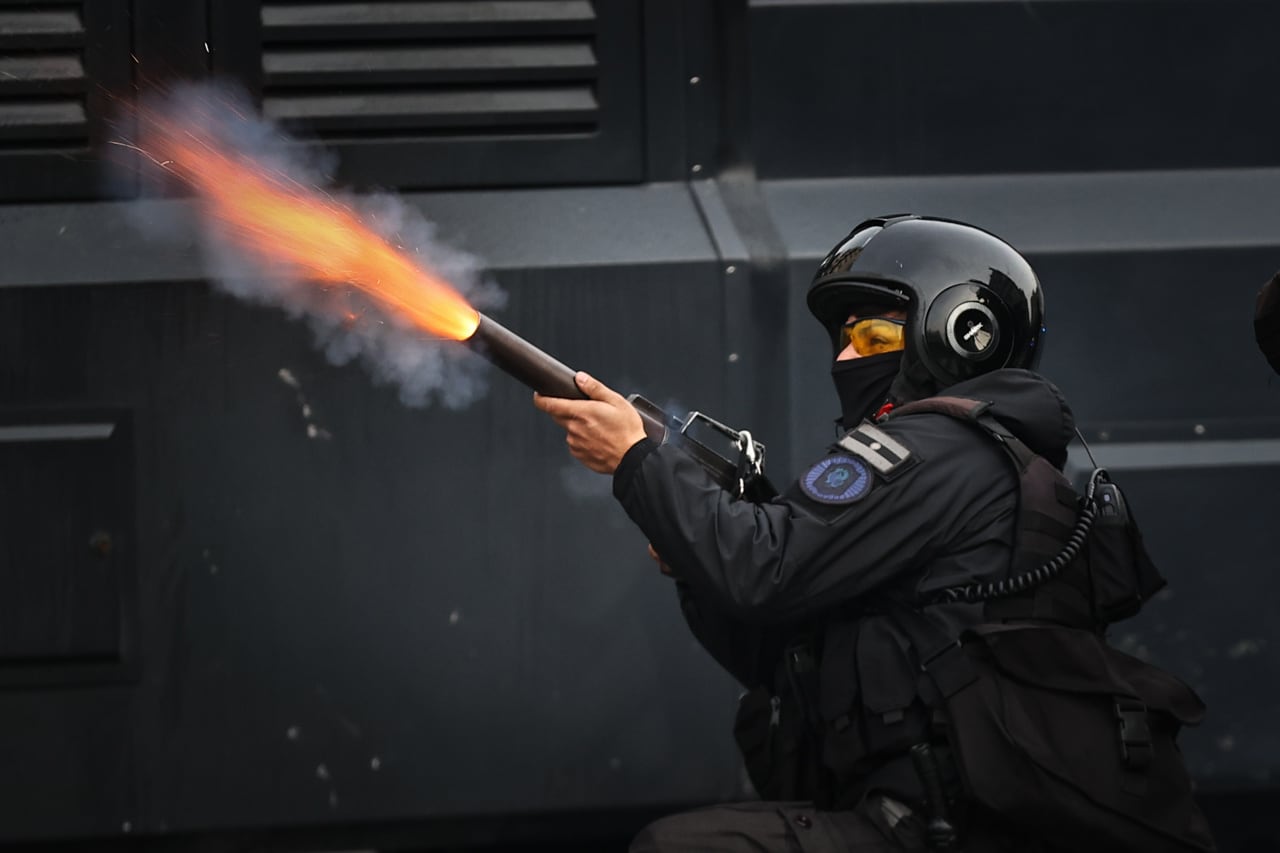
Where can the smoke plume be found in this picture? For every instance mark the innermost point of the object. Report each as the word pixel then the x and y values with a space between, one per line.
pixel 347 324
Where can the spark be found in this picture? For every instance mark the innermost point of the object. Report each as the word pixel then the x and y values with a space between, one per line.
pixel 161 163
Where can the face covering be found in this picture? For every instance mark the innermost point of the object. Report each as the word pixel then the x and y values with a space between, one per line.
pixel 862 384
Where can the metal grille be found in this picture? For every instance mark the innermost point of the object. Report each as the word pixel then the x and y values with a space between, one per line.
pixel 43 84
pixel 429 69
pixel 63 64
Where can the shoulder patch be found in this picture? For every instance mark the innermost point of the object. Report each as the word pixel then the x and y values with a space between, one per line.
pixel 837 480
pixel 878 449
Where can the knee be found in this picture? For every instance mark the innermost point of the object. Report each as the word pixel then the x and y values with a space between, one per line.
pixel 671 834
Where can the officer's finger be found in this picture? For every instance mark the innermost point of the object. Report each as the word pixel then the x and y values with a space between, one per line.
pixel 597 390
pixel 563 420
pixel 577 448
pixel 557 407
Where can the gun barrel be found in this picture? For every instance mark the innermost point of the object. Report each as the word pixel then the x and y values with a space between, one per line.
pixel 521 359
pixel 544 374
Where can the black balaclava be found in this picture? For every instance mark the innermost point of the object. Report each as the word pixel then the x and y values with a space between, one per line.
pixel 862 384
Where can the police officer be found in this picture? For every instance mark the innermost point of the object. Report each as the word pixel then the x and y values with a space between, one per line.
pixel 1266 321
pixel 938 521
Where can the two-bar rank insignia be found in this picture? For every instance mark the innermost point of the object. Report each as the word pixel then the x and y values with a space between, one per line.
pixel 837 480
pixel 878 449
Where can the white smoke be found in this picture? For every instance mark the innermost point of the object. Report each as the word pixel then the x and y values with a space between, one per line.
pixel 424 368
pixel 583 484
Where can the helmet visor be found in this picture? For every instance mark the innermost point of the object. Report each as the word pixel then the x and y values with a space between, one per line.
pixel 874 335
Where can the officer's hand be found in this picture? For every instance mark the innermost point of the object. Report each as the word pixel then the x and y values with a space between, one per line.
pixel 662 567
pixel 600 430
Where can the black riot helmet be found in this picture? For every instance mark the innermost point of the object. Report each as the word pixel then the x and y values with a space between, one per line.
pixel 973 303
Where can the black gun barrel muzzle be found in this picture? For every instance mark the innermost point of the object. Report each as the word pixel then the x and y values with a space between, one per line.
pixel 516 356
pixel 544 374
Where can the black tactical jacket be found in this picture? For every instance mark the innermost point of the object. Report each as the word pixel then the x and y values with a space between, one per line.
pixel 756 577
pixel 823 603
pixel 947 517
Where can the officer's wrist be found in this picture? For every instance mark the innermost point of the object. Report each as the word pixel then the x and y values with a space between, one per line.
pixel 630 463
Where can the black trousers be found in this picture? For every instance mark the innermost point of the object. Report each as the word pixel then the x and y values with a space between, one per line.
pixel 875 826
pixel 772 827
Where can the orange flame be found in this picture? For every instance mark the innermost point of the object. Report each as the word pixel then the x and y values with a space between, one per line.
pixel 293 228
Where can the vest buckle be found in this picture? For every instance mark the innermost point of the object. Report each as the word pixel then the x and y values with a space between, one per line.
pixel 1135 733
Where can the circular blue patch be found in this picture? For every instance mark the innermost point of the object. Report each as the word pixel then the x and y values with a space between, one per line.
pixel 837 480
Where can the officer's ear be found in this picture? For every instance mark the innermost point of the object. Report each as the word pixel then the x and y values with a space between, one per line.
pixel 1266 321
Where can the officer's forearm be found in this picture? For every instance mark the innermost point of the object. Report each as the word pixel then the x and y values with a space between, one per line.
pixel 729 550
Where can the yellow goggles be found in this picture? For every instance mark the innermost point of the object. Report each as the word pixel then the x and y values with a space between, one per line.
pixel 874 335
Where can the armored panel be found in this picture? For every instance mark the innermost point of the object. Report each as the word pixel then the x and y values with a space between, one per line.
pixel 358 610
pixel 941 87
pixel 432 94
pixel 1215 624
pixel 66 539
pixel 69 759
pixel 1134 277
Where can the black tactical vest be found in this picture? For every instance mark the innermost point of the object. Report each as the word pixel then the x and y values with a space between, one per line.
pixel 1041 721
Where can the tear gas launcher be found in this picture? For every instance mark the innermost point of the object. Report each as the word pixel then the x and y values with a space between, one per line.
pixel 732 457
pixel 283 223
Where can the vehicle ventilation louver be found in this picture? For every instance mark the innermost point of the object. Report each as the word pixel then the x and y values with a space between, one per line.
pixel 428 69
pixel 43 84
